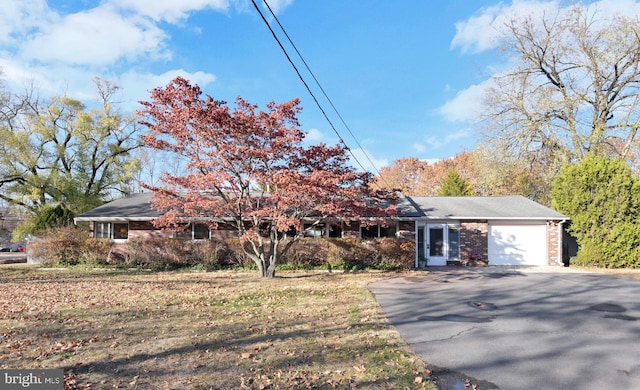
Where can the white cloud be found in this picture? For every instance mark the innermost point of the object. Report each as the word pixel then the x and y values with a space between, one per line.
pixel 438 141
pixel 315 136
pixel 466 105
pixel 52 79
pixel 431 161
pixel 61 54
pixel 367 161
pixel 480 31
pixel 171 11
pixel 419 147
pixel 19 17
pixel 615 7
pixel 100 36
pixel 279 5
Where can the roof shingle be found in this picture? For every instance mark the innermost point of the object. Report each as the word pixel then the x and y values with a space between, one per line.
pixel 137 208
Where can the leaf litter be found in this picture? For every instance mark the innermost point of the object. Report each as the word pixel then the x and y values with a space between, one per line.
pixel 194 330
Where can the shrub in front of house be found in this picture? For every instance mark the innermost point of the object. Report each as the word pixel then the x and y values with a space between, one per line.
pixel 95 252
pixel 58 246
pixel 394 254
pixel 351 254
pixel 160 253
pixel 69 246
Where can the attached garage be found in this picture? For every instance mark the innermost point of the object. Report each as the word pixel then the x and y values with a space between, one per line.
pixel 492 230
pixel 514 244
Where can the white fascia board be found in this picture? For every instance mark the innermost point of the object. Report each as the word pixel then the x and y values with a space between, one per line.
pixel 114 219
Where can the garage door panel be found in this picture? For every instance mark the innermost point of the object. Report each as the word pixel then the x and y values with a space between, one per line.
pixel 517 245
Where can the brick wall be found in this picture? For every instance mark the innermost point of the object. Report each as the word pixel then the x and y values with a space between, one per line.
pixel 474 240
pixel 554 237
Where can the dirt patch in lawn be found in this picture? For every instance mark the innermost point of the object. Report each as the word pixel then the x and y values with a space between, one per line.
pixel 189 330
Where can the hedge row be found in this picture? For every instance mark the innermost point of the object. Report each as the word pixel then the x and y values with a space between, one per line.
pixel 70 246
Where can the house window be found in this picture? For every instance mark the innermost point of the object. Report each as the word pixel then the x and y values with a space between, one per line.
pixel 116 231
pixel 194 231
pixel 375 231
pixel 369 231
pixel 335 231
pixel 421 244
pixel 120 231
pixel 102 230
pixel 388 231
pixel 200 231
pixel 454 243
pixel 183 233
pixel 313 230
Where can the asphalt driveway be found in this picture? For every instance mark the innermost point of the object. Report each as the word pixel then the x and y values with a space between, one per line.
pixel 519 328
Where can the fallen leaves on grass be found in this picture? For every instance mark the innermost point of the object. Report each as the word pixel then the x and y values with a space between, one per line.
pixel 184 330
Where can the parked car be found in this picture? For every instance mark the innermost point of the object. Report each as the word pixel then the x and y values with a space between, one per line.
pixel 12 248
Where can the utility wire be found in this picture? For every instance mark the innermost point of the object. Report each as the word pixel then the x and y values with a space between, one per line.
pixel 322 89
pixel 309 89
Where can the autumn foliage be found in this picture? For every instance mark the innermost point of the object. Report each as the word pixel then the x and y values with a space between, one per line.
pixel 415 177
pixel 250 169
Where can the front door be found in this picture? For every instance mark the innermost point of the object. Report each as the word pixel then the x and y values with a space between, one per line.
pixel 436 244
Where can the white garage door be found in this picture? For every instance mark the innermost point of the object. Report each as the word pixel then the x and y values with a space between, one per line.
pixel 517 245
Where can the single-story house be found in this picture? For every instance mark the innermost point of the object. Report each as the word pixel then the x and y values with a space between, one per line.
pixel 498 230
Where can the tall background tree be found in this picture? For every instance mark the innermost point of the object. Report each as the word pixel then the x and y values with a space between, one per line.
pixel 573 90
pixel 60 152
pixel 414 177
pixel 408 175
pixel 249 169
pixel 498 174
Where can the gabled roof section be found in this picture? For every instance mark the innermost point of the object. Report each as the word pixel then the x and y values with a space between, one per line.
pixel 135 207
pixel 484 207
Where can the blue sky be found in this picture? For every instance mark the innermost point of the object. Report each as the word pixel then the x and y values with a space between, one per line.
pixel 406 76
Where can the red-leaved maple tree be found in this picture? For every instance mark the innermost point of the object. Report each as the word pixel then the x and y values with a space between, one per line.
pixel 250 169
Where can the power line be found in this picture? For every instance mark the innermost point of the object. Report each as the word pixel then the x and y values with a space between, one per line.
pixel 309 89
pixel 305 83
pixel 320 86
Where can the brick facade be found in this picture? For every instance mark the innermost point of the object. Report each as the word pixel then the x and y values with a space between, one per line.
pixel 474 241
pixel 554 243
pixel 474 238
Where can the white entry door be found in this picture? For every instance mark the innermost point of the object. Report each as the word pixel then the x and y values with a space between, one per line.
pixel 437 244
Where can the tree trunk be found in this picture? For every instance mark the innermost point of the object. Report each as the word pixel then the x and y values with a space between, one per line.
pixel 271 270
pixel 265 262
pixel 266 269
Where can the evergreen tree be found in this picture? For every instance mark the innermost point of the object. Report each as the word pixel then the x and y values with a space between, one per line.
pixel 454 185
pixel 602 198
